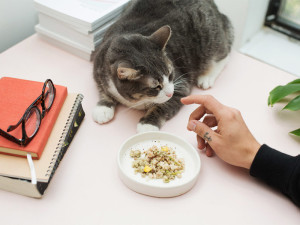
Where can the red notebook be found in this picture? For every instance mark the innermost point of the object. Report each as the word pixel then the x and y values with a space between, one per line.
pixel 16 95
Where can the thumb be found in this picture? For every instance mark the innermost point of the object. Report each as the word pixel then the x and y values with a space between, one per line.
pixel 202 130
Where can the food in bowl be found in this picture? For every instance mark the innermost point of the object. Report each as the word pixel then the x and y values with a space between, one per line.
pixel 158 163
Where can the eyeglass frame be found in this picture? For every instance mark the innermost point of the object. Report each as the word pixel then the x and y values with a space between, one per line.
pixel 40 100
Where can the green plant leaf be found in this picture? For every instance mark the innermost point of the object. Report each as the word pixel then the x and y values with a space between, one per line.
pixel 280 92
pixel 269 100
pixel 297 81
pixel 294 104
pixel 296 132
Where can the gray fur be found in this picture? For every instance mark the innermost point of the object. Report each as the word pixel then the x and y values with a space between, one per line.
pixel 200 35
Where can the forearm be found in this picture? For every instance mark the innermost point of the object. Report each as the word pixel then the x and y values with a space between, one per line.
pixel 279 170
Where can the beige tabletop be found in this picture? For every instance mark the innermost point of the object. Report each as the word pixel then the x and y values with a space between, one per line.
pixel 86 188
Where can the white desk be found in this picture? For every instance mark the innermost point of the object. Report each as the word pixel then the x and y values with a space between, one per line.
pixel 86 188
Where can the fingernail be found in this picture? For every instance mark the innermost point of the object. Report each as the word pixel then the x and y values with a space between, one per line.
pixel 192 125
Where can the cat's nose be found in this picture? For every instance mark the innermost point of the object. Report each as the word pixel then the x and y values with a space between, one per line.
pixel 169 94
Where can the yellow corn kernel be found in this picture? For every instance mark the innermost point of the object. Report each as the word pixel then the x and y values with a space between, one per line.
pixel 147 169
pixel 165 148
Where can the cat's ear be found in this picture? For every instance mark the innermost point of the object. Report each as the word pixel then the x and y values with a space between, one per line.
pixel 161 36
pixel 127 73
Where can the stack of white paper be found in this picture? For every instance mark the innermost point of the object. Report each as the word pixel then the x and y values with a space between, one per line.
pixel 77 26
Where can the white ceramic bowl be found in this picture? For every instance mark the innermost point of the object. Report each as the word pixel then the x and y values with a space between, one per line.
pixel 156 187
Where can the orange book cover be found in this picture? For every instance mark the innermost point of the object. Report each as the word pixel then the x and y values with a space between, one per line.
pixel 16 95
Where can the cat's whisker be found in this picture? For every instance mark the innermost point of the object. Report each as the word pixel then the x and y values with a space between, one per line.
pixel 180 67
pixel 179 89
pixel 182 81
pixel 180 77
pixel 178 58
pixel 135 105
pixel 180 85
pixel 139 104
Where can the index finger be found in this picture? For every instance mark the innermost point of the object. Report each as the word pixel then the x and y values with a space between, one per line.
pixel 208 101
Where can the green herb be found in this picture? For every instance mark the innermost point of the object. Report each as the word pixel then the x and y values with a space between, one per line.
pixel 280 92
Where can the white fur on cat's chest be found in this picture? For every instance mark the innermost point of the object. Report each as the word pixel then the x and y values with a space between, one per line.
pixel 114 92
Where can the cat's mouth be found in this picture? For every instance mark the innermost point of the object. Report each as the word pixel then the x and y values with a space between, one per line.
pixel 163 97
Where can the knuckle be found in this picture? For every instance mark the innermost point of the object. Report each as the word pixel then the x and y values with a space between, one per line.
pixel 199 130
pixel 233 114
pixel 236 113
pixel 230 115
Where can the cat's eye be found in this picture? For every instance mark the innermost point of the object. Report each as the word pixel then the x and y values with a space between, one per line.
pixel 170 77
pixel 158 87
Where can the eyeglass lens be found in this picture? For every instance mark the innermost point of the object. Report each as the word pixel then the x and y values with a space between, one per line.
pixel 49 95
pixel 32 122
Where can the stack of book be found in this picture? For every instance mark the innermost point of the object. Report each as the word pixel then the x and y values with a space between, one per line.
pixel 77 26
pixel 18 172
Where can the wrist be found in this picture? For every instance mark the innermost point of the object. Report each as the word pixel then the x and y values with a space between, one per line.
pixel 251 153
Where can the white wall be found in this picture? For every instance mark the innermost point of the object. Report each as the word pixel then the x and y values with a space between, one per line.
pixel 237 11
pixel 257 10
pixel 247 17
pixel 17 20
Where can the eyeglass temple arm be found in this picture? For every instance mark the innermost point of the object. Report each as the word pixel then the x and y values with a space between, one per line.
pixel 12 127
pixel 9 137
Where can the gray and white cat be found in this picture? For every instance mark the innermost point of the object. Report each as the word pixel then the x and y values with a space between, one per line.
pixel 154 54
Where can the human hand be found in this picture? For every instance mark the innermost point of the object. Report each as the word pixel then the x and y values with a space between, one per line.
pixel 231 141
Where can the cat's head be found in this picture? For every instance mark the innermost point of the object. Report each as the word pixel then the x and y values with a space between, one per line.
pixel 140 68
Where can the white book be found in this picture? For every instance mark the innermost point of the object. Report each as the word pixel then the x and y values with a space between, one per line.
pixel 86 15
pixel 78 52
pixel 65 44
pixel 67 31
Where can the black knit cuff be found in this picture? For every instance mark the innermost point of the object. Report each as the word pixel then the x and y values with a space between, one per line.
pixel 273 166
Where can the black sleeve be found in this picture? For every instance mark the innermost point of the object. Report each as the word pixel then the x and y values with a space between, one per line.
pixel 279 170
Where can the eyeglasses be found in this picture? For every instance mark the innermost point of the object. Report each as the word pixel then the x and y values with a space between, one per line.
pixel 31 119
